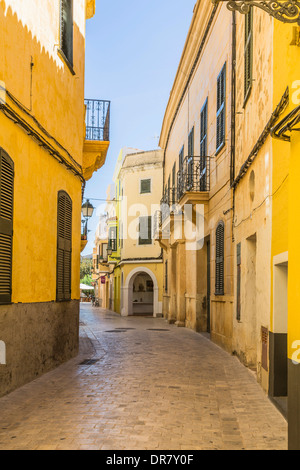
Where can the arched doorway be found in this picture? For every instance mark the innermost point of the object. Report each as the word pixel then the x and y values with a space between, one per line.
pixel 140 293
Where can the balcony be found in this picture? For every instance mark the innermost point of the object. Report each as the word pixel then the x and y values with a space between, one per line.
pixel 97 129
pixel 193 181
pixel 84 242
pixel 168 203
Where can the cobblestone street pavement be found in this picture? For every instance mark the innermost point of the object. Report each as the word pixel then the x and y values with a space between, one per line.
pixel 134 387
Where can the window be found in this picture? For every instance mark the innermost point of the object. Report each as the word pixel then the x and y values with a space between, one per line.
pixel 190 178
pixel 166 276
pixel 145 230
pixel 6 225
pixel 145 186
pixel 191 143
pixel 181 159
pixel 238 290
pixel 220 259
pixel 173 183
pixel 104 252
pixel 203 131
pixel 64 246
pixel 248 53
pixel 180 174
pixel 221 95
pixel 66 29
pixel 203 147
pixel 112 239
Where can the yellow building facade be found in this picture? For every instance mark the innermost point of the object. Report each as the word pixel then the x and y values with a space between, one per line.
pixel 196 138
pixel 101 268
pixel 134 277
pixel 45 159
pixel 141 264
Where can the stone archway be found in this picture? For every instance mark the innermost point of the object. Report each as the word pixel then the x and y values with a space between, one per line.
pixel 140 276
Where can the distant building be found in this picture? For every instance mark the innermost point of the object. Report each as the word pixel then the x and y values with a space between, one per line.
pixel 141 265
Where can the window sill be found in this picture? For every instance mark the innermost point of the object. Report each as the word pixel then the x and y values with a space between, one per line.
pixel 66 61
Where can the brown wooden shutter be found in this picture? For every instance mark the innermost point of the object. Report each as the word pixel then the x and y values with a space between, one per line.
pixel 6 225
pixel 64 246
pixel 220 259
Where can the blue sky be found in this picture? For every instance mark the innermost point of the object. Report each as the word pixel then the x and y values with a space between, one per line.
pixel 133 49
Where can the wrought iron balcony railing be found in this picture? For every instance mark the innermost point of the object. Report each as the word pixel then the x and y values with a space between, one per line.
pixel 97 120
pixel 168 203
pixel 193 176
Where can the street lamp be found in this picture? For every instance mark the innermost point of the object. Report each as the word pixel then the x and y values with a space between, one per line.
pixel 286 11
pixel 87 212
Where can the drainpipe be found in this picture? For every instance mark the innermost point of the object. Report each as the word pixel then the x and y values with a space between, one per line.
pixel 233 114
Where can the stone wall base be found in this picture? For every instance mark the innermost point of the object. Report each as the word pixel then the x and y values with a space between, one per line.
pixel 38 337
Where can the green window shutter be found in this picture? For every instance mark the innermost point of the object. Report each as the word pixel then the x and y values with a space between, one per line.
pixel 220 259
pixel 248 53
pixel 145 230
pixel 64 246
pixel 221 97
pixel 191 143
pixel 203 147
pixel 145 186
pixel 166 277
pixel 181 159
pixel 203 131
pixel 6 225
pixel 66 29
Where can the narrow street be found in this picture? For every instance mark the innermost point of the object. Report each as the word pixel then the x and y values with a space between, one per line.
pixel 148 385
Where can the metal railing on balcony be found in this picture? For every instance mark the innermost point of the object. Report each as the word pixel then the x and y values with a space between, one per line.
pixel 168 203
pixel 97 120
pixel 193 176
